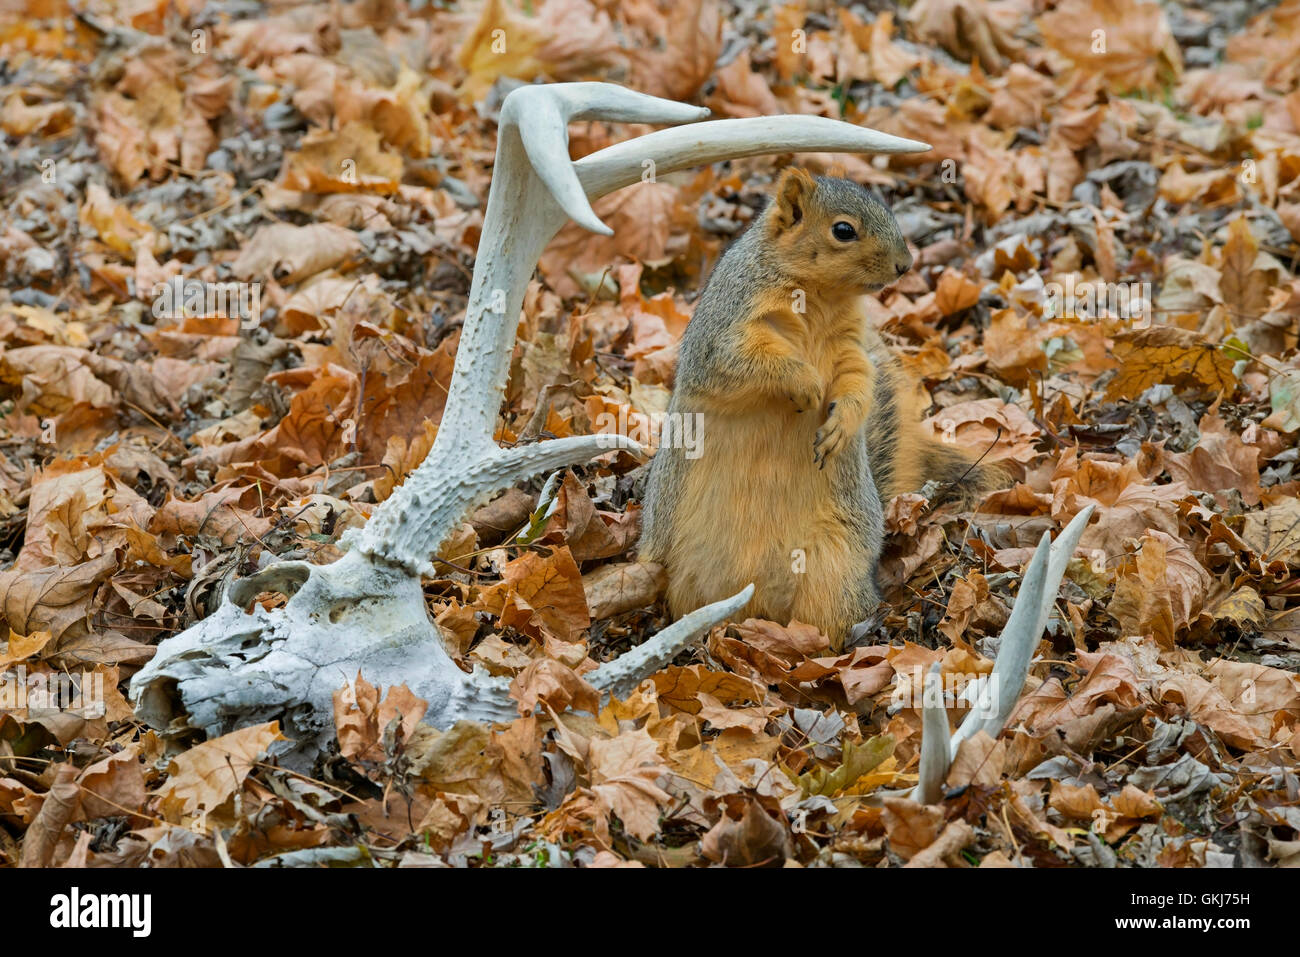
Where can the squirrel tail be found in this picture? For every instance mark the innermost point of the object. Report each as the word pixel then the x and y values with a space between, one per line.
pixel 904 455
pixel 962 478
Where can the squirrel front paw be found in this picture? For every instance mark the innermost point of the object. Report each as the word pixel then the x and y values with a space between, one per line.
pixel 834 435
pixel 806 396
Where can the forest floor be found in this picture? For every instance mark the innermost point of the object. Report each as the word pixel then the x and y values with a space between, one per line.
pixel 1105 301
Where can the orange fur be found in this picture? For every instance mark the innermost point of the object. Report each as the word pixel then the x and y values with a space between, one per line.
pixel 804 413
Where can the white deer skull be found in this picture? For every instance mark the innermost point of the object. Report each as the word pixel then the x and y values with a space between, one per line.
pixel 365 613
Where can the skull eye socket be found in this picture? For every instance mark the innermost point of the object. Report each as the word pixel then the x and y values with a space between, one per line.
pixel 844 232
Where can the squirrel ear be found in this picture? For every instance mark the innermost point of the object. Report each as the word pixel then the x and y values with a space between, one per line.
pixel 793 190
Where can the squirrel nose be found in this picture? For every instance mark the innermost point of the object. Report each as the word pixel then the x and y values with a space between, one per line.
pixel 903 266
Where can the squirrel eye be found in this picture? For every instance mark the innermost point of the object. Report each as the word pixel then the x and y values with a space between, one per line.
pixel 844 232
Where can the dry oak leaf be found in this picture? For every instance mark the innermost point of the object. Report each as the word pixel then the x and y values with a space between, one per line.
pixel 1267 699
pixel 321 422
pixel 744 658
pixel 568 39
pixel 1020 99
pixel 1026 804
pixel 1074 801
pixel 1162 591
pixel 1111 679
pixel 910 826
pixel 1243 607
pixel 719 716
pixel 405 401
pixel 496 766
pixel 746 834
pixel 1124 811
pixel 289 254
pixel 889 61
pixel 624 775
pixel 113 786
pixel 557 685
pixel 349 160
pixel 971 30
pixel 742 91
pixel 1274 532
pixel 1219 463
pixel 791 643
pixel 681 688
pixel 443 819
pixel 59 806
pixel 644 218
pixel 1207 705
pixel 225 515
pixel 21 647
pixel 1188 287
pixel 1248 274
pixel 979 761
pixel 788 58
pixel 989 172
pixel 326 295
pixel 1128 42
pixel 77 513
pixel 540 594
pixel 205 776
pixel 904 512
pixel 497 655
pixel 18 119
pixel 862 672
pixel 970 603
pixel 1172 356
pixel 55 599
pixel 52 379
pixel 399 113
pixel 1127 505
pixel 622 586
pixel 680 45
pixel 955 293
pixel 975 427
pixel 1215 187
pixel 113 222
pixel 946 849
pixel 363 721
pixel 575 521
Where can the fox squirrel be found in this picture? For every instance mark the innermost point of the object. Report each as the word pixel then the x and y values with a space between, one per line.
pixel 808 422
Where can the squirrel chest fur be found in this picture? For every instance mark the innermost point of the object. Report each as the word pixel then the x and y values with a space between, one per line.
pixel 806 422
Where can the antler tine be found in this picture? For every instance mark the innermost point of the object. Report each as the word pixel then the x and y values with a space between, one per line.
pixel 934 740
pixel 621 676
pixel 542 114
pixel 701 143
pixel 1020 637
pixel 618 104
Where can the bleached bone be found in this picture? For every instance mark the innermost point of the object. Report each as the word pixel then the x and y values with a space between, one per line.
pixel 365 613
pixel 998 695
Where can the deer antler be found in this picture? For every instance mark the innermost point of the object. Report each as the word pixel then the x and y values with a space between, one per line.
pixel 365 612
pixel 997 698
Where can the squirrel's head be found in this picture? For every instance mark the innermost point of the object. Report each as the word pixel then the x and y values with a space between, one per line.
pixel 831 232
